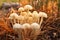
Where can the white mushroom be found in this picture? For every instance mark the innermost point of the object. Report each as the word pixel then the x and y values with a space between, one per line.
pixel 13 17
pixel 27 29
pixel 35 29
pixel 28 7
pixel 35 26
pixel 27 17
pixel 42 14
pixel 26 25
pixel 16 25
pixel 21 9
pixel 36 16
pixel 21 19
pixel 18 29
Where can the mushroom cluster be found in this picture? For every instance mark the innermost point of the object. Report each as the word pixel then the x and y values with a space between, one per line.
pixel 27 20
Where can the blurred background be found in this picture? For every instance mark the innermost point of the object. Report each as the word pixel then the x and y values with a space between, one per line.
pixel 49 6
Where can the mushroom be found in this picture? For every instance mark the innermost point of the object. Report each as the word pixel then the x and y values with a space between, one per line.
pixel 27 29
pixel 28 7
pixel 13 17
pixel 21 19
pixel 42 14
pixel 26 25
pixel 35 26
pixel 35 16
pixel 16 25
pixel 18 29
pixel 21 9
pixel 27 17
pixel 35 29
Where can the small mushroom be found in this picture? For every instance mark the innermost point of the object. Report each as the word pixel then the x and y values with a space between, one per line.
pixel 16 25
pixel 21 9
pixel 42 14
pixel 28 7
pixel 35 29
pixel 35 16
pixel 13 17
pixel 18 29
pixel 21 19
pixel 35 26
pixel 27 29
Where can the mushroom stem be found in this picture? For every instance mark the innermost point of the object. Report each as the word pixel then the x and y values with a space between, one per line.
pixel 41 22
pixel 38 20
pixel 21 12
pixel 18 21
pixel 14 21
pixel 27 10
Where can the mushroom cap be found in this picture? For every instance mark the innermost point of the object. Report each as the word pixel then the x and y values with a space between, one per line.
pixel 20 9
pixel 35 14
pixel 24 13
pixel 35 26
pixel 21 19
pixel 13 15
pixel 28 7
pixel 16 25
pixel 26 25
pixel 42 14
